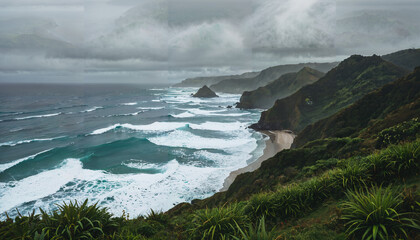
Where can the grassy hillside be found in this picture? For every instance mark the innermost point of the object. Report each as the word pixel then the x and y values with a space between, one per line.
pixel 287 84
pixel 401 98
pixel 266 76
pixel 340 87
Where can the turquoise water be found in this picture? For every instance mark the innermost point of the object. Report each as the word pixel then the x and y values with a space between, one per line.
pixel 130 147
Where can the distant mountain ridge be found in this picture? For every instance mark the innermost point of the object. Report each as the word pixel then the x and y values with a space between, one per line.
pixel 408 58
pixel 340 87
pixel 266 76
pixel 287 84
pixel 201 81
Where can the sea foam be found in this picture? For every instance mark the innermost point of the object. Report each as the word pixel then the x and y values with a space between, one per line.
pixel 186 139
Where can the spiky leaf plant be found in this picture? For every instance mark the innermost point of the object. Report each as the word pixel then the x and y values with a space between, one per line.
pixel 217 223
pixel 77 221
pixel 256 233
pixel 261 205
pixel 23 227
pixel 352 176
pixel 375 214
pixel 404 159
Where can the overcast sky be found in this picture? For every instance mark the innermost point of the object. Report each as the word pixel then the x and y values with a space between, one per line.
pixel 148 41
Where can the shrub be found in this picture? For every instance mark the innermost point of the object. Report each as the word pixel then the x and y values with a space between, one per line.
pixel 159 217
pixel 256 233
pixel 77 221
pixel 217 223
pixel 261 205
pixel 23 227
pixel 375 214
pixel 352 176
pixel 319 166
pixel 405 131
pixel 290 201
pixel 404 159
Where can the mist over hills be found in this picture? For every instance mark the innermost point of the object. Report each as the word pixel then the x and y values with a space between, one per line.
pixel 287 84
pixel 200 81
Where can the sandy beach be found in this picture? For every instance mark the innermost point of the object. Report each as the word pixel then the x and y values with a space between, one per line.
pixel 278 141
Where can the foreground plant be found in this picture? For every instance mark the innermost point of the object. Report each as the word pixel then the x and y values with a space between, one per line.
pixel 77 221
pixel 217 223
pixel 258 233
pixel 375 214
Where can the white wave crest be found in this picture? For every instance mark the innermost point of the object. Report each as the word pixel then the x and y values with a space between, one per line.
pixel 91 109
pixel 219 126
pixel 42 184
pixel 14 143
pixel 151 108
pixel 185 139
pixel 183 115
pixel 39 116
pixel 5 166
pixel 156 126
pixel 129 104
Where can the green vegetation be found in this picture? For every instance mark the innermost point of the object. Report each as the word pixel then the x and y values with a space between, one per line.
pixel 256 233
pixel 387 107
pixel 217 222
pixel 406 131
pixel 376 214
pixel 348 82
pixel 408 58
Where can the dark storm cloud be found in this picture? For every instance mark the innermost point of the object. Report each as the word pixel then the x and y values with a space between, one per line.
pixel 184 37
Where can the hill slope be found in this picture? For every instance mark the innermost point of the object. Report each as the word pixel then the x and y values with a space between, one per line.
pixel 287 84
pixel 400 98
pixel 395 103
pixel 340 87
pixel 266 76
pixel 408 58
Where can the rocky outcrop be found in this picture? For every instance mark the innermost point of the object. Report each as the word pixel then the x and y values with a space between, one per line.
pixel 205 92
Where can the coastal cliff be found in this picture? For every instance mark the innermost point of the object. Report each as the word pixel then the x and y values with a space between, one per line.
pixel 340 87
pixel 287 84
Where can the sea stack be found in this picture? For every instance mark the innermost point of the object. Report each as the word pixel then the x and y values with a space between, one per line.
pixel 205 92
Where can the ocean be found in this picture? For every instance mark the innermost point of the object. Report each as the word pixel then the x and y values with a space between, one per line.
pixel 128 147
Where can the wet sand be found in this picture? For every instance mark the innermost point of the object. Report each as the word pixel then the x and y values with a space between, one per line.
pixel 278 140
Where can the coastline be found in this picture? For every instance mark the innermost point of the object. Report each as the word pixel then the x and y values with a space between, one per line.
pixel 277 141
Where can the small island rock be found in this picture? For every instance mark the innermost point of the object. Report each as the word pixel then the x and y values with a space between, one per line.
pixel 205 92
